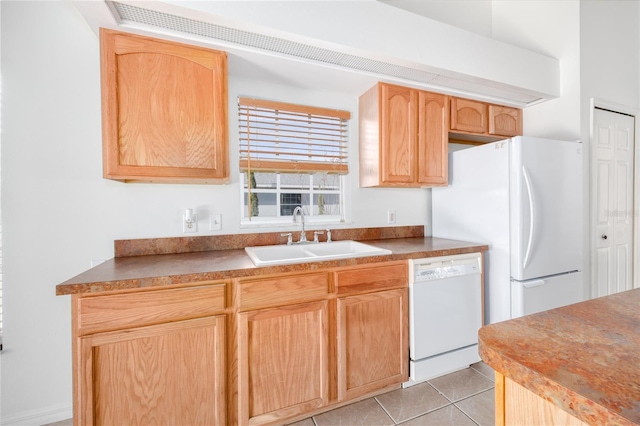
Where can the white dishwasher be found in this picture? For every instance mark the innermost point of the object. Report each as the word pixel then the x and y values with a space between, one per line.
pixel 445 314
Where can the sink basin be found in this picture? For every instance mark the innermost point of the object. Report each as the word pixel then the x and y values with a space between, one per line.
pixel 283 255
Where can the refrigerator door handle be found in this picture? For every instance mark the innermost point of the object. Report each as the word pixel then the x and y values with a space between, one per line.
pixel 532 209
pixel 534 283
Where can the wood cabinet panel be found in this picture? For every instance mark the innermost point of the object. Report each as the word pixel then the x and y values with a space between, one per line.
pixel 371 278
pixel 505 121
pixel 522 406
pixel 165 374
pixel 399 132
pixel 124 310
pixel 403 137
pixel 282 290
pixel 283 362
pixel 433 118
pixel 374 320
pixel 468 116
pixel 164 110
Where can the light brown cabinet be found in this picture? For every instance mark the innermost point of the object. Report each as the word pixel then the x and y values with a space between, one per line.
pixel 372 312
pixel 468 116
pixel 283 346
pixel 283 362
pixel 403 137
pixel 152 357
pixel 164 110
pixel 251 351
pixel 373 320
pixel 480 118
pixel 505 121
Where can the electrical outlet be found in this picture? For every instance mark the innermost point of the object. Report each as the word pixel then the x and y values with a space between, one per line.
pixel 190 224
pixel 215 222
pixel 391 216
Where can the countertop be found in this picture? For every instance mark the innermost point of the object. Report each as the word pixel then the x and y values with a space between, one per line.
pixel 141 271
pixel 584 358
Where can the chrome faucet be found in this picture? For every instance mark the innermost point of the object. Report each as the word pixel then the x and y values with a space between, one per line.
pixel 303 235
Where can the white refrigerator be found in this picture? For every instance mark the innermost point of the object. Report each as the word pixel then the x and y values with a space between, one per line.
pixel 522 197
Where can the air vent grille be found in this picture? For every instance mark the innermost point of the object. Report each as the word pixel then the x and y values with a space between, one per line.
pixel 133 14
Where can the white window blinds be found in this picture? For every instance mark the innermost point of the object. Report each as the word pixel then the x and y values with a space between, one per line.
pixel 276 136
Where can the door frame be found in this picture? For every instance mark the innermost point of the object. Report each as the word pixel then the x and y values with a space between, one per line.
pixel 635 113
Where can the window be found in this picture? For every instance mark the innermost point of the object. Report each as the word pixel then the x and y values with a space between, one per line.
pixel 290 156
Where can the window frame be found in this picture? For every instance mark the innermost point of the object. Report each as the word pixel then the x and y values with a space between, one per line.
pixel 280 112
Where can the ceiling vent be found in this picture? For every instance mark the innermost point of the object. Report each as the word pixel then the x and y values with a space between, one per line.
pixel 452 82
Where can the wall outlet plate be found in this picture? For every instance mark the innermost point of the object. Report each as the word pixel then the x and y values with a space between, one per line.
pixel 190 228
pixel 215 222
pixel 391 216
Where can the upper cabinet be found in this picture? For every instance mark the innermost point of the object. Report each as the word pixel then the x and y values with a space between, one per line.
pixel 470 117
pixel 403 137
pixel 164 110
pixel 505 121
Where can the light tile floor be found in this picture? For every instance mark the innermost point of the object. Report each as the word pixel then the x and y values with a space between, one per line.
pixel 465 397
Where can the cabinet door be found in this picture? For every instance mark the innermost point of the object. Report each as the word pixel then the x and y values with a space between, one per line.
pixel 505 121
pixel 433 144
pixel 373 346
pixel 282 356
pixel 468 116
pixel 164 374
pixel 398 127
pixel 164 110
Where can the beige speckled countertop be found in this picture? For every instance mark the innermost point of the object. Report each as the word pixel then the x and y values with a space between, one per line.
pixel 584 358
pixel 139 270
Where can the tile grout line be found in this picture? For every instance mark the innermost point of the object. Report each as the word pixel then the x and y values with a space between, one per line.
pixel 414 417
pixel 385 410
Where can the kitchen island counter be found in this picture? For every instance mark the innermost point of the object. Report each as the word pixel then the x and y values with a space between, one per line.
pixel 583 359
pixel 161 262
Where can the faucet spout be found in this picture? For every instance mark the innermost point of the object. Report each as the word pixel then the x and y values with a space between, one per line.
pixel 303 235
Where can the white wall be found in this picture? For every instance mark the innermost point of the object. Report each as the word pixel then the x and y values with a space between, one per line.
pixel 59 214
pixel 476 17
pixel 551 28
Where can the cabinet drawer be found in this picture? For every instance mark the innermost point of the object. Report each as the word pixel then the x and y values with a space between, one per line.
pixel 124 310
pixel 282 290
pixel 372 278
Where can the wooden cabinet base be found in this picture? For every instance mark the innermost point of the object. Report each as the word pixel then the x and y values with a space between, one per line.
pixel 162 374
pixel 260 350
pixel 516 405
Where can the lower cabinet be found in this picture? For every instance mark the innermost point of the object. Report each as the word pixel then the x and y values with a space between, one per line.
pixel 163 374
pixel 372 342
pixel 154 356
pixel 249 351
pixel 283 356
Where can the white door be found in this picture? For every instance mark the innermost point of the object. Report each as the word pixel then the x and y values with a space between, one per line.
pixel 612 202
pixel 546 207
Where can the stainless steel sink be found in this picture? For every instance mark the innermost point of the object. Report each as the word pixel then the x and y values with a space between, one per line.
pixel 283 254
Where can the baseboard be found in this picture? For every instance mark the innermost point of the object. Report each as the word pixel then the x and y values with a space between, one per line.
pixel 41 416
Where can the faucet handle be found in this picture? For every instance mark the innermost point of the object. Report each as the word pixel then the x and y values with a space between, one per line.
pixel 315 235
pixel 289 238
pixel 328 235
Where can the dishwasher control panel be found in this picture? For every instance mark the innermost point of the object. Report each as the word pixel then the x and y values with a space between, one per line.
pixel 445 272
pixel 445 267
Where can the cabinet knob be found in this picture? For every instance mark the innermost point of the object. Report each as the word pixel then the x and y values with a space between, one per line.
pixel 604 236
